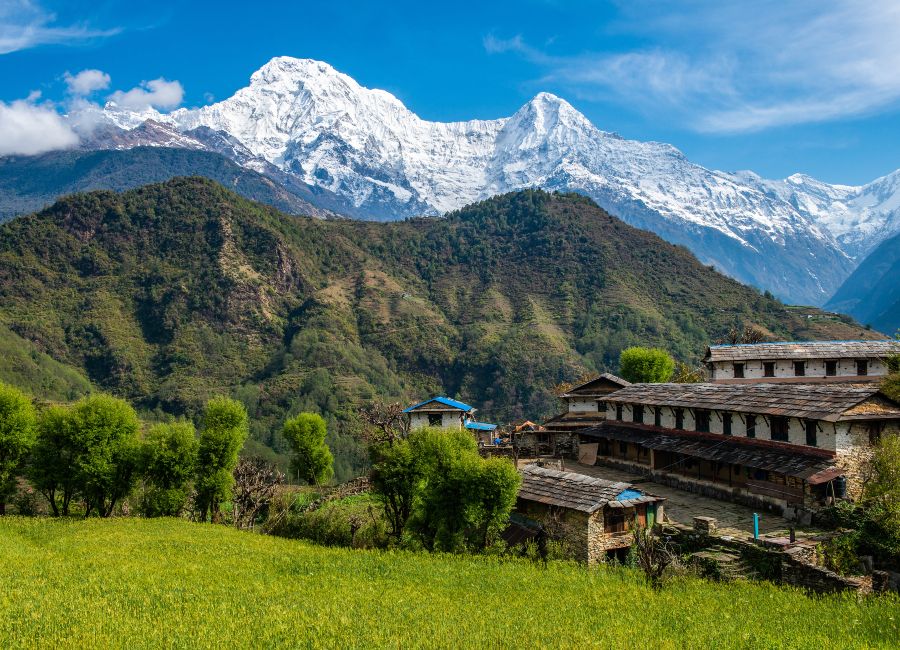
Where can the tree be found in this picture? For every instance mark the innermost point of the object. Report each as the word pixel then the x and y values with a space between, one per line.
pixel 384 422
pixel 53 467
pixel 168 462
pixel 646 365
pixel 881 494
pixel 17 436
pixel 255 483
pixel 654 555
pixel 395 478
pixel 685 374
pixel 105 451
pixel 225 428
pixel 312 460
pixel 749 334
pixel 461 501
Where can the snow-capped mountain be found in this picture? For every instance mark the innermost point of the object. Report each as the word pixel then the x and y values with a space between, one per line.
pixel 859 217
pixel 303 119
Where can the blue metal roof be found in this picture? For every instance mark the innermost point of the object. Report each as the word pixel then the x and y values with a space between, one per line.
pixel 627 494
pixel 446 401
pixel 480 426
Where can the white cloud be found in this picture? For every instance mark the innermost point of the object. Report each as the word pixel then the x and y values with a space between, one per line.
pixel 87 82
pixel 27 128
pixel 25 24
pixel 734 66
pixel 158 93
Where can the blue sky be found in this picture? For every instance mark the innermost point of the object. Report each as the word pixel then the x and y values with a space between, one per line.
pixel 777 87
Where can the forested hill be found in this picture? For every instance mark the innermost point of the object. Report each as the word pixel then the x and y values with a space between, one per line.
pixel 172 292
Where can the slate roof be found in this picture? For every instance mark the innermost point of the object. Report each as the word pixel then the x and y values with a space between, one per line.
pixel 802 350
pixel 826 402
pixel 446 401
pixel 800 462
pixel 572 420
pixel 575 491
pixel 600 385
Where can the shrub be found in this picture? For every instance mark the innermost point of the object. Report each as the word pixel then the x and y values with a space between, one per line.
pixel 646 365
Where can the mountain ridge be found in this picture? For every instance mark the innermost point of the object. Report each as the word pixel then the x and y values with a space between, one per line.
pixel 313 123
pixel 172 292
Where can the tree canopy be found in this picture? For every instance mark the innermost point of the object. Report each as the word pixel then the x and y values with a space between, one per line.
pixel 311 459
pixel 225 429
pixel 17 436
pixel 646 365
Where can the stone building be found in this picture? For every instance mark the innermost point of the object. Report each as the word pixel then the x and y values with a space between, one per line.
pixel 800 362
pixel 581 411
pixel 446 413
pixel 593 516
pixel 783 446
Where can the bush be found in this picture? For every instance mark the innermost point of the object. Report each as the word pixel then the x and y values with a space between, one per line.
pixel 646 365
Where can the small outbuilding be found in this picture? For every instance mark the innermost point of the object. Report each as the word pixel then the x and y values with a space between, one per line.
pixel 593 515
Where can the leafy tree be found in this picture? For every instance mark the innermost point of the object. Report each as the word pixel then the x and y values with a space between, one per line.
pixel 225 428
pixel 53 466
pixel 168 462
pixel 312 460
pixel 881 496
pixel 106 451
pixel 395 477
pixel 460 501
pixel 17 436
pixel 646 365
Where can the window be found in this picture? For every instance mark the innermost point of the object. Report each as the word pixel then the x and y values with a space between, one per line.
pixel 799 368
pixel 618 411
pixel 657 416
pixel 614 522
pixel 726 424
pixel 811 428
pixel 751 426
pixel 736 469
pixel 679 418
pixel 830 368
pixel 768 368
pixel 637 414
pixel 701 421
pixel 435 419
pixel 739 371
pixel 862 367
pixel 623 448
pixel 780 427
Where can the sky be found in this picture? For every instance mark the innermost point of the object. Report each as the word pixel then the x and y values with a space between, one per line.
pixel 776 87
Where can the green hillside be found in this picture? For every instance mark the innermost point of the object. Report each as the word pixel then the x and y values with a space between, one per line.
pixel 167 583
pixel 174 292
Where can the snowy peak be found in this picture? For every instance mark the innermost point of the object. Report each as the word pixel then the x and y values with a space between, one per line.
pixel 307 121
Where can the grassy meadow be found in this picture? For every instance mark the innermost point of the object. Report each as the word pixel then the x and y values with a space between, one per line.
pixel 168 583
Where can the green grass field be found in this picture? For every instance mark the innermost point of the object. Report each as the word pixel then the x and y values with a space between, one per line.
pixel 164 583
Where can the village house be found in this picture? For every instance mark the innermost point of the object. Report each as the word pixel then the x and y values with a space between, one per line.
pixel 800 362
pixel 446 413
pixel 594 517
pixel 787 447
pixel 582 410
